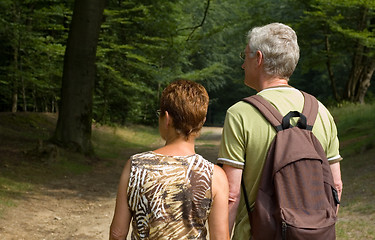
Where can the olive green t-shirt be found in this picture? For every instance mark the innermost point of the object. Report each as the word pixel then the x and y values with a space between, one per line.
pixel 247 136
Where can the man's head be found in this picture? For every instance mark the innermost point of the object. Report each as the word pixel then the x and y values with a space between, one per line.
pixel 278 45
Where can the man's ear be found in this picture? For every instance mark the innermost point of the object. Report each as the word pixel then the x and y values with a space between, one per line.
pixel 259 56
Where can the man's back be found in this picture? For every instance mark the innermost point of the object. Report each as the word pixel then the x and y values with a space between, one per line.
pixel 247 133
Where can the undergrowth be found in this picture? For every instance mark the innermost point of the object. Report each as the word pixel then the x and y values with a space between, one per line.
pixel 20 172
pixel 356 130
pixel 23 166
pixel 356 127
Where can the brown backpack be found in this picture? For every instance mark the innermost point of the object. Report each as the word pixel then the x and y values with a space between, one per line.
pixel 296 198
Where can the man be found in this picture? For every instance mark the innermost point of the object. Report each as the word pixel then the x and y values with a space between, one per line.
pixel 270 58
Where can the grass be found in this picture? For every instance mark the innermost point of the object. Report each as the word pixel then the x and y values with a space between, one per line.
pixel 108 142
pixel 357 210
pixel 10 190
pixel 20 172
pixel 356 128
pixel 22 168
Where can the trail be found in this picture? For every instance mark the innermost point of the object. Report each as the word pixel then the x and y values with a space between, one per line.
pixel 79 207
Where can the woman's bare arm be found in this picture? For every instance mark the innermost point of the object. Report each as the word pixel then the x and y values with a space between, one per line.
pixel 218 219
pixel 122 216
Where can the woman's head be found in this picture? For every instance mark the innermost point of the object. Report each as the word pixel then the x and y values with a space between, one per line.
pixel 278 44
pixel 186 102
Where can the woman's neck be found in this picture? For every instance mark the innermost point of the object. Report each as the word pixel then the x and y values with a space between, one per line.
pixel 178 146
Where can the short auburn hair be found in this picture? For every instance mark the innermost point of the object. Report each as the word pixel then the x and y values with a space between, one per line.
pixel 186 102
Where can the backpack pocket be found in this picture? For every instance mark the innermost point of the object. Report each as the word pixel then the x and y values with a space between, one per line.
pixel 290 232
pixel 308 224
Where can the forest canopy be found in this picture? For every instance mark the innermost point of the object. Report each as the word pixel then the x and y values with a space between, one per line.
pixel 144 45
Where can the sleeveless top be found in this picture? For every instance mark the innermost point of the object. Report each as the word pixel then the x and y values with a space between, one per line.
pixel 169 197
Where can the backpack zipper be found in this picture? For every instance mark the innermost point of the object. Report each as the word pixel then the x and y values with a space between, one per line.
pixel 284 227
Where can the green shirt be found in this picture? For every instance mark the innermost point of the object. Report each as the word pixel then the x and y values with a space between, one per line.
pixel 247 136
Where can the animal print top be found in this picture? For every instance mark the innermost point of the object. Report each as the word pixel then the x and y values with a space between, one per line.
pixel 169 197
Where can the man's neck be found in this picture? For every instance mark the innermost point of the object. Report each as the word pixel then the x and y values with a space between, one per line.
pixel 273 82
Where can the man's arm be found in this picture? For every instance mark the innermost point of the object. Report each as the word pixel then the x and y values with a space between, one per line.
pixel 234 179
pixel 336 173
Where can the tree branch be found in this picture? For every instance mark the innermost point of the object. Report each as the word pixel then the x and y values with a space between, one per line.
pixel 200 24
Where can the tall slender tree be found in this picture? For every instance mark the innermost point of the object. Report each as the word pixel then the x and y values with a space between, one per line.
pixel 363 63
pixel 346 30
pixel 73 128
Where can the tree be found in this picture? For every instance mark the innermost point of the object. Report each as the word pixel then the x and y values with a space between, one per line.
pixel 143 45
pixel 33 40
pixel 363 63
pixel 344 30
pixel 73 129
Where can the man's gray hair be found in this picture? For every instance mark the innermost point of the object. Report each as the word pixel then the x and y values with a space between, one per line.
pixel 278 44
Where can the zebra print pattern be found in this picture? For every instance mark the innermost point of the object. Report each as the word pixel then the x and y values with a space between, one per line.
pixel 169 197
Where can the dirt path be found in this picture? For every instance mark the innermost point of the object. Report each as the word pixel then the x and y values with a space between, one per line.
pixel 77 207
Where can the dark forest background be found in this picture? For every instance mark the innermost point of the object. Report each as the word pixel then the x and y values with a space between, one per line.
pixel 109 60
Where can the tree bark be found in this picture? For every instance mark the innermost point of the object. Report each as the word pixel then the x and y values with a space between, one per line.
pixel 363 67
pixel 355 73
pixel 24 95
pixel 365 82
pixel 330 71
pixel 15 80
pixel 16 52
pixel 73 129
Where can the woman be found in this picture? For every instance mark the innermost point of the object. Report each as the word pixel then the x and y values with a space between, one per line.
pixel 170 192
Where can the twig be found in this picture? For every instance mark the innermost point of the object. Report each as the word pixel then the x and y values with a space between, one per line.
pixel 199 25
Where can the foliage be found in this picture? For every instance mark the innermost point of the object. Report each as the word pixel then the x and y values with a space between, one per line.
pixel 356 127
pixel 33 38
pixel 145 44
pixel 336 36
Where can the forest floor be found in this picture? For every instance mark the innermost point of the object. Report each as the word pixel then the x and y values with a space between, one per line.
pixel 74 206
pixel 40 201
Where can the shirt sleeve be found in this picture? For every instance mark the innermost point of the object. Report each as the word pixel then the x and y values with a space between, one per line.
pixel 333 152
pixel 232 146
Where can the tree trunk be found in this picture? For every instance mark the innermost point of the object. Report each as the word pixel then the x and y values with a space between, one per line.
pixel 23 88
pixel 363 68
pixel 355 73
pixel 330 71
pixel 15 80
pixel 73 130
pixel 14 97
pixel 364 83
pixel 24 95
pixel 16 52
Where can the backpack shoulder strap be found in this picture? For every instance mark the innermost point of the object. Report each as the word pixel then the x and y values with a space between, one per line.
pixel 310 109
pixel 267 109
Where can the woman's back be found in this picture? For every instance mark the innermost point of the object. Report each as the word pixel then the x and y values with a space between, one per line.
pixel 170 197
